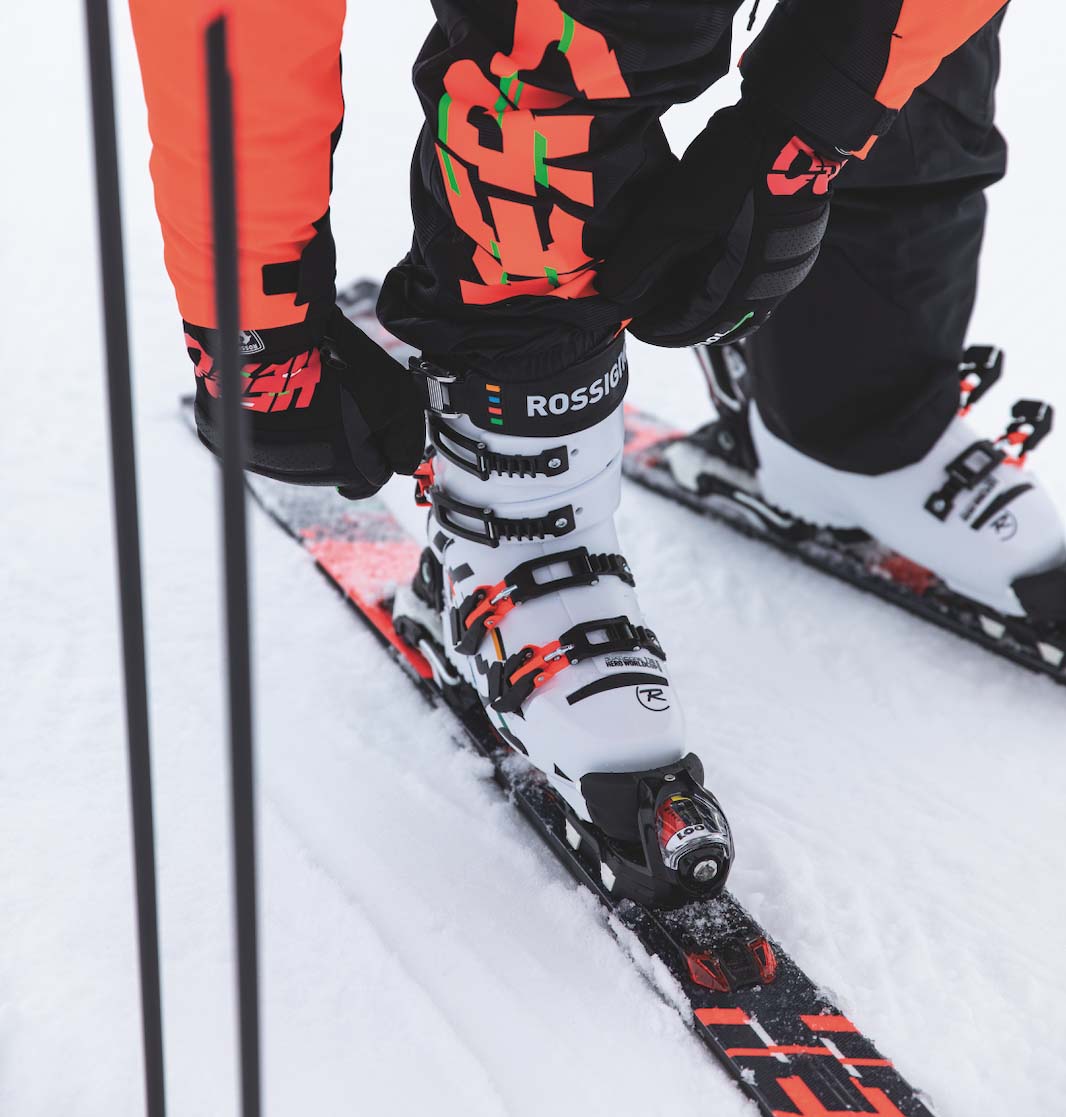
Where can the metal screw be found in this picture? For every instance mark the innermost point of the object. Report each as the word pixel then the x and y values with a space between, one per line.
pixel 554 463
pixel 669 778
pixel 705 871
pixel 561 522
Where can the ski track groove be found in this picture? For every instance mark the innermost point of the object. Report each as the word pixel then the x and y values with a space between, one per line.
pixel 429 996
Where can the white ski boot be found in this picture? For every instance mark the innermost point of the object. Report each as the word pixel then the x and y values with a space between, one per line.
pixel 968 511
pixel 535 610
pixel 968 527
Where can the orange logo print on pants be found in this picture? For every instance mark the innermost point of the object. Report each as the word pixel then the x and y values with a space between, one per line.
pixel 524 247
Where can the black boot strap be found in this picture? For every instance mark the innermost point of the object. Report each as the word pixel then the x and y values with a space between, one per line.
pixel 553 524
pixel 482 462
pixel 966 471
pixel 486 606
pixel 513 681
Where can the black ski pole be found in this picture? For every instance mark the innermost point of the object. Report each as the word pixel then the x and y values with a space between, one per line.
pixel 127 541
pixel 238 650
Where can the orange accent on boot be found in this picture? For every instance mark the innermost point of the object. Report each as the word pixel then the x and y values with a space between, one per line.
pixel 424 478
pixel 540 666
pixel 492 609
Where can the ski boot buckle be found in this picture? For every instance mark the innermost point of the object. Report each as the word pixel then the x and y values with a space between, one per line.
pixel 968 470
pixel 1031 424
pixel 981 367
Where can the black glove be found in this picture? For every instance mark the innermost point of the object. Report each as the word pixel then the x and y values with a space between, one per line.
pixel 326 406
pixel 729 231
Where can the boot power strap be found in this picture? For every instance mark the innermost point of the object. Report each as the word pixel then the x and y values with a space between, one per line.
pixel 570 401
pixel 474 456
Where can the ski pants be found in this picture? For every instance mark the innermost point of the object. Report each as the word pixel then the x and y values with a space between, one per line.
pixel 858 367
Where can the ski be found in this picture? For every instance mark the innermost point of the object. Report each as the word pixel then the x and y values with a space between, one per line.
pixel 708 472
pixel 785 1043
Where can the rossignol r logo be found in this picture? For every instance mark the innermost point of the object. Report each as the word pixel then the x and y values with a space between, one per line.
pixel 587 395
pixel 1004 526
pixel 653 698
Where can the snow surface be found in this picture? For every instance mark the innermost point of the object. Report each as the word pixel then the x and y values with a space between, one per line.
pixel 896 794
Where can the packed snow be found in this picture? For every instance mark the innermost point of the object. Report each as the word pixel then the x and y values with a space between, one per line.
pixel 896 793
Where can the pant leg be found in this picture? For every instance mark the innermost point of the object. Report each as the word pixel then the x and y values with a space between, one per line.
pixel 288 108
pixel 542 134
pixel 858 368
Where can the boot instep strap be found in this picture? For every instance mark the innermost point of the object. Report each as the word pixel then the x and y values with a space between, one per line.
pixel 512 682
pixel 486 606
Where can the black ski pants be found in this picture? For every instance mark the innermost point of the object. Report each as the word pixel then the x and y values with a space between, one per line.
pixel 858 367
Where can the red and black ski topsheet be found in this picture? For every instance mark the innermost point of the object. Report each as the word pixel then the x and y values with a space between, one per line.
pixel 787 1046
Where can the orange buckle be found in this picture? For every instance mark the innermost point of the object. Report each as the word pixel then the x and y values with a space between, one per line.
pixel 966 388
pixel 545 664
pixel 493 607
pixel 424 479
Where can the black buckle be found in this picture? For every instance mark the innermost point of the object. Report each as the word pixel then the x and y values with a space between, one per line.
pixel 487 605
pixel 1031 413
pixel 619 635
pixel 966 471
pixel 513 681
pixel 981 366
pixel 437 383
pixel 482 461
pixel 556 523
